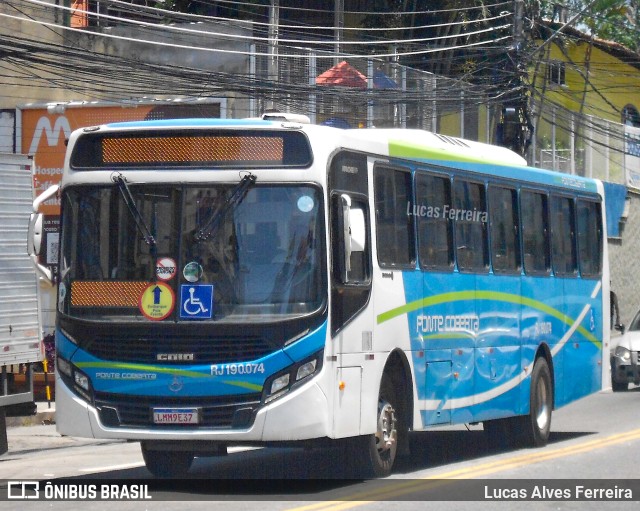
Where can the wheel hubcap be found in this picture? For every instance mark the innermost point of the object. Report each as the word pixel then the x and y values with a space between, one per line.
pixel 386 435
pixel 542 415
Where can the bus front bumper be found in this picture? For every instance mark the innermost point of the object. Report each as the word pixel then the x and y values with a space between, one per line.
pixel 301 414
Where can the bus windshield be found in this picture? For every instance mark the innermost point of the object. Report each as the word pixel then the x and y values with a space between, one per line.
pixel 262 252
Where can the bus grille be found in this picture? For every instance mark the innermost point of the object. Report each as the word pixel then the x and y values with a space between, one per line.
pixel 205 350
pixel 217 412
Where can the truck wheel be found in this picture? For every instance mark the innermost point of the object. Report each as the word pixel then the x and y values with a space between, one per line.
pixel 536 426
pixel 619 387
pixel 166 464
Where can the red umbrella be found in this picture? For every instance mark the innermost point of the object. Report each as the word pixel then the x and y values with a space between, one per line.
pixel 343 74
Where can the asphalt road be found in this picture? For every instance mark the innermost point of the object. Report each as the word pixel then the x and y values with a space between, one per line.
pixel 597 438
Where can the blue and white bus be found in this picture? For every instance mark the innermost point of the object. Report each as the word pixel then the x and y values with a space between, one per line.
pixel 270 282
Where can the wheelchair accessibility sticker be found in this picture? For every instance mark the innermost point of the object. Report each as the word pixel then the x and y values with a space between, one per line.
pixel 196 301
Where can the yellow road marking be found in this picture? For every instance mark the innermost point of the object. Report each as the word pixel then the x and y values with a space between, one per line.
pixel 402 488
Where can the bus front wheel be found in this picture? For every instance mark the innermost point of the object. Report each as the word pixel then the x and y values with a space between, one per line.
pixel 166 464
pixel 374 455
pixel 536 426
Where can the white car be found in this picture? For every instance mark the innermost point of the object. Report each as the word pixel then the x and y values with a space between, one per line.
pixel 625 363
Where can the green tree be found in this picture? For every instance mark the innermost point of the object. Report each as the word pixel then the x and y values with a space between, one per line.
pixel 442 25
pixel 612 20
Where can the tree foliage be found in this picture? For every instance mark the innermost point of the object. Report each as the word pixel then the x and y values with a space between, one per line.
pixel 612 20
pixel 441 25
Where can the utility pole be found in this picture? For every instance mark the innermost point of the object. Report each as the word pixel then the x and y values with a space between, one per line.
pixel 515 128
pixel 518 32
pixel 274 26
pixel 338 29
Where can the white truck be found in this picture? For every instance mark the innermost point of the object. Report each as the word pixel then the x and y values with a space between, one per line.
pixel 21 344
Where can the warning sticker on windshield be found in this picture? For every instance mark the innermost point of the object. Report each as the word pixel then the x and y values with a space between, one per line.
pixel 157 301
pixel 165 268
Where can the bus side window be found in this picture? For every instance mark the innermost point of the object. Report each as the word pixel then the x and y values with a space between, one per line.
pixel 589 238
pixel 435 231
pixel 394 220
pixel 563 233
pixel 470 213
pixel 505 235
pixel 535 232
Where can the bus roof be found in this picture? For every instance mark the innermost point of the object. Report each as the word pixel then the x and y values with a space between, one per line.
pixel 404 144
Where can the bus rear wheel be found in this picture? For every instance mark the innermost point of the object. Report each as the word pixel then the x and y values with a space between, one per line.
pixel 166 464
pixel 536 426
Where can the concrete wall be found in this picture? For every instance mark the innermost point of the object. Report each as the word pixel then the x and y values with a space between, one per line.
pixel 31 84
pixel 624 255
pixel 20 88
pixel 190 45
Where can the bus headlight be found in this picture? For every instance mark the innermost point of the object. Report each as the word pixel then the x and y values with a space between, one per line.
pixel 81 380
pixel 294 375
pixel 306 369
pixel 64 367
pixel 279 383
pixel 75 379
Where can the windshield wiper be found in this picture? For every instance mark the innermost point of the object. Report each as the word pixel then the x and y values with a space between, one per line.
pixel 235 197
pixel 149 239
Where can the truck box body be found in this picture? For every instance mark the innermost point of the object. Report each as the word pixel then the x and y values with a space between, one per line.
pixel 20 324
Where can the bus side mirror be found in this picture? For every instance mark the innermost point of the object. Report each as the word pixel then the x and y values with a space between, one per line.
pixel 35 233
pixel 345 203
pixel 358 230
pixel 354 233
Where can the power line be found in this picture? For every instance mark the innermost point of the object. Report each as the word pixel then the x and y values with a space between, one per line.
pixel 164 13
pixel 280 40
pixel 376 13
pixel 100 76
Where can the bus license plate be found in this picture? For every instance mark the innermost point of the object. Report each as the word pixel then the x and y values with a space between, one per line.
pixel 176 416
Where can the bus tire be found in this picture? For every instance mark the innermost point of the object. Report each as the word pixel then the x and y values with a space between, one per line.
pixel 536 426
pixel 166 464
pixel 375 455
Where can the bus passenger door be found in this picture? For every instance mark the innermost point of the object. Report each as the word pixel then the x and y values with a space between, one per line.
pixel 355 390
